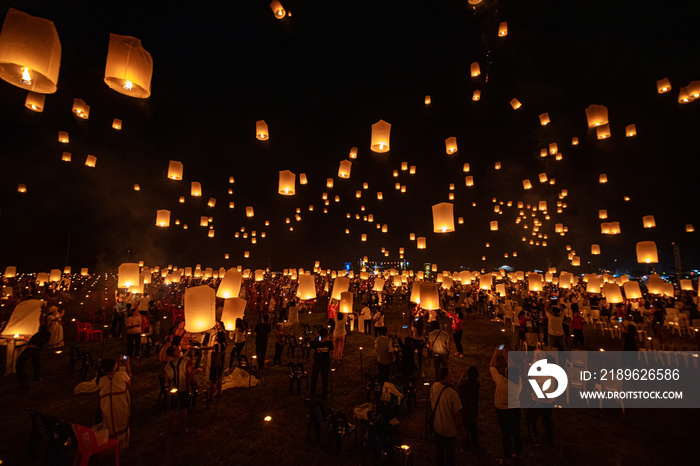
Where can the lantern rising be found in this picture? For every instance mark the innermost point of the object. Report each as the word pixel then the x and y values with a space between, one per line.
pixel 35 101
pixel 663 86
pixel 195 189
pixel 91 161
pixel 451 145
pixel 503 29
pixel 381 132
pixel 117 124
pixel 597 115
pixel 475 69
pixel 277 9
pixel 175 170
pixel 30 52
pixel 646 252
pixel 200 308
pixel 163 218
pixel 344 169
pixel 287 183
pixel 261 131
pixel 443 218
pixel 648 221
pixel 129 67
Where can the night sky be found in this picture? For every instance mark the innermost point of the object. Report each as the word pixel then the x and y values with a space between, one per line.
pixel 320 79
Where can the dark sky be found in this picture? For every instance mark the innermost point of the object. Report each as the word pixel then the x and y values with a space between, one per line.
pixel 320 79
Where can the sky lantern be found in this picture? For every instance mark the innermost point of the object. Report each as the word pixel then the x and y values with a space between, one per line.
pixel 117 124
pixel 91 161
pixel 534 282
pixel 200 308
pixel 340 285
pixel 163 218
pixel 175 170
pixel 576 261
pixel 475 69
pixel 443 218
pixel 404 166
pixel 277 9
pixel 261 131
pixel 10 272
pixel 631 131
pixel 35 101
pixel 612 293
pixel 544 119
pixel 615 228
pixel 486 282
pixel 212 202
pixel 196 189
pixel 427 100
pixel 307 287
pixel 602 214
pixel 353 153
pixel 515 103
pixel 129 67
pixel 497 166
pixel 329 182
pixel 476 96
pixel 429 296
pixel 203 221
pixel 574 141
pixel 686 285
pixel 605 228
pixel 84 272
pixel 211 233
pixel 230 285
pixel 249 212
pixel 287 183
pixel 451 145
pixel 346 302
pixel 597 115
pixel 465 168
pixel 259 275
pixel 128 275
pixel 648 221
pixel 30 52
pixel 363 237
pixel 542 205
pixel 494 225
pixel 595 249
pixel 55 275
pixel 381 132
pixel 603 178
pixel 412 170
pixel 689 228
pixel 63 137
pixel 421 242
pixel 81 109
pixel 543 177
pixel 460 220
pixel 21 188
pixel 663 86
pixel 632 290
pixel 469 181
pixel 378 284
pixel 344 169
pixel 553 148
pixel 603 131
pixel 647 253
pixel 559 228
pixel 503 29
pixel 234 308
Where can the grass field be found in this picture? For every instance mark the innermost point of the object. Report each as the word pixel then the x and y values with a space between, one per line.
pixel 231 431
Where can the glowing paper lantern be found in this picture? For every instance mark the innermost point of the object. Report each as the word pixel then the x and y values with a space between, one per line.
pixel 515 103
pixel 175 170
pixel 663 86
pixel 631 131
pixel 63 137
pixel 686 285
pixel 381 132
pixel 91 161
pixel 277 9
pixel 596 115
pixel 595 249
pixel 55 275
pixel 475 69
pixel 602 214
pixel 346 302
pixel 10 272
pixel 603 178
pixel 35 101
pixel 476 96
pixel 84 272
pixel 259 275
pixel 81 109
pixel 163 218
pixel 128 275
pixel 527 184
pixel 534 282
pixel 646 252
pixel 632 290
pixel 612 293
pixel 443 218
pixel 340 285
pixel 117 124
pixel 21 188
pixel 544 119
pixel 212 202
pixel 30 52
pixel 307 287
pixel 196 189
pixel 615 228
pixel 249 212
pixel 486 282
pixel 503 29
pixel 689 228
pixel 378 284
pixel 494 225
pixel 469 181
pixel 234 308
pixel 287 183
pixel 603 132
pixel 200 308
pixel 451 145
pixel 129 67
pixel 429 296
pixel 344 169
pixel 261 131
pixel 648 221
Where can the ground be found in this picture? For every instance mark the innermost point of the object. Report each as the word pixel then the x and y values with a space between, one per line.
pixel 231 431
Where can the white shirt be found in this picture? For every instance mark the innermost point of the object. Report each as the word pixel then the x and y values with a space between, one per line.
pixel 507 393
pixel 339 329
pixel 447 406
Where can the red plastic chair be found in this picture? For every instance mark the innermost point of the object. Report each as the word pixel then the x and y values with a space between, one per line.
pixel 81 331
pixel 92 334
pixel 87 445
